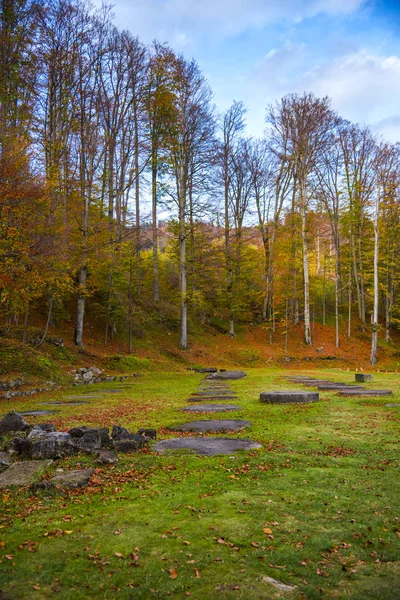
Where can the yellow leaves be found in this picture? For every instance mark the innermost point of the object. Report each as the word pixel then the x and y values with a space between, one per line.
pixel 5 498
pixel 68 531
pixel 2 544
pixel 267 530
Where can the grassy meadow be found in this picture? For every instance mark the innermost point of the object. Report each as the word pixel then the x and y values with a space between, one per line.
pixel 317 507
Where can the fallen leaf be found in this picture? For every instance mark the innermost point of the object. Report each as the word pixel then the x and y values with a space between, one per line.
pixel 118 555
pixel 196 574
pixel 267 530
pixel 173 573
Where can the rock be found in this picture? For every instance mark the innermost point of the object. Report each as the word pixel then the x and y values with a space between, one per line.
pixel 14 446
pixel 23 473
pixel 129 444
pixel 5 461
pixel 206 446
pixel 278 584
pixel 395 405
pixel 148 434
pixel 338 387
pixel 88 442
pixel 288 397
pixel 121 433
pixel 107 457
pixel 68 479
pixel 211 425
pixel 212 397
pixel 38 413
pixel 48 445
pixel 102 432
pixel 207 370
pixel 211 408
pixel 12 421
pixel 363 377
pixel 228 375
pixel 48 427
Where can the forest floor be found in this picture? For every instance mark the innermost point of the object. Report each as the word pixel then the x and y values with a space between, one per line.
pixel 317 507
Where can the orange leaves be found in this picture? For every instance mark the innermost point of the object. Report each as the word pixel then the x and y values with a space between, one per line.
pixel 173 574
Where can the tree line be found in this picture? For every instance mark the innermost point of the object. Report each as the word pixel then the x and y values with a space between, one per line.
pixel 101 135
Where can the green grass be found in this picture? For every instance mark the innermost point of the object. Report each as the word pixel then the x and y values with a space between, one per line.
pixel 325 483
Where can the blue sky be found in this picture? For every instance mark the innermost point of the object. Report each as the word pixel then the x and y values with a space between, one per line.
pixel 258 50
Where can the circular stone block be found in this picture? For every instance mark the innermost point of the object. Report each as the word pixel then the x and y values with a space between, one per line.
pixel 317 382
pixel 363 377
pixel 288 397
pixel 34 413
pixel 392 405
pixel 207 446
pixel 228 375
pixel 66 403
pixel 212 397
pixel 360 393
pixel 339 388
pixel 211 408
pixel 210 425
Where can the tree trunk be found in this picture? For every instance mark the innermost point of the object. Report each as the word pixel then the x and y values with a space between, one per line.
pixel 80 312
pixel 156 290
pixel 26 321
pixel 375 313
pixel 307 327
pixel 46 329
pixel 182 257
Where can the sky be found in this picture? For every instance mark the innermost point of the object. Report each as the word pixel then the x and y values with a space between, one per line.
pixel 256 51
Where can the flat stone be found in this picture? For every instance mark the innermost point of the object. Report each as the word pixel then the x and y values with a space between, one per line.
pixel 13 421
pixel 206 446
pixel 83 397
pixel 337 387
pixel 372 393
pixel 66 403
pixel 23 473
pixel 69 479
pixel 211 408
pixel 129 444
pixel 363 377
pixel 107 457
pixel 207 370
pixel 5 461
pixel 392 405
pixel 203 398
pixel 228 375
pixel 317 382
pixel 211 425
pixel 38 413
pixel 288 397
pixel 278 584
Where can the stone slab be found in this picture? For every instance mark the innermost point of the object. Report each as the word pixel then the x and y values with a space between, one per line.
pixel 23 473
pixel 83 397
pixel 317 382
pixel 227 375
pixel 206 446
pixel 211 408
pixel 69 479
pixel 338 387
pixel 38 413
pixel 393 405
pixel 288 397
pixel 66 403
pixel 206 398
pixel 212 425
pixel 363 377
pixel 371 393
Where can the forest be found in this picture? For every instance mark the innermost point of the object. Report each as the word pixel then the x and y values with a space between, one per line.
pixel 122 188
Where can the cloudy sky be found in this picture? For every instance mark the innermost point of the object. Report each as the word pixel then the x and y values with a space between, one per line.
pixel 258 50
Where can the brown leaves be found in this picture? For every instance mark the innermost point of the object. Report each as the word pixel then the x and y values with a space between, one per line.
pixel 173 574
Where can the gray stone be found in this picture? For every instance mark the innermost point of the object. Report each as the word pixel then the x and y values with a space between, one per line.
pixel 38 413
pixel 49 427
pixel 211 398
pixel 23 473
pixel 14 446
pixel 67 403
pixel 88 442
pixel 317 382
pixel 129 444
pixel 121 433
pixel 107 457
pixel 207 370
pixel 48 445
pixel 288 397
pixel 206 446
pixel 148 434
pixel 5 461
pixel 68 479
pixel 13 421
pixel 83 397
pixel 211 425
pixel 211 408
pixel 371 393
pixel 228 375
pixel 332 387
pixel 101 432
pixel 278 584
pixel 392 405
pixel 363 377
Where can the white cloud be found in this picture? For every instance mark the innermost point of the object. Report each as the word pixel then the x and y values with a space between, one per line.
pixel 364 87
pixel 165 19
